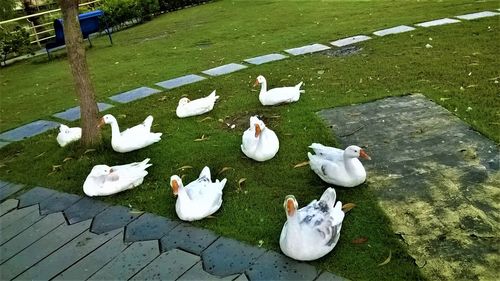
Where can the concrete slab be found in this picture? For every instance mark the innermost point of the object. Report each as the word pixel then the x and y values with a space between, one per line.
pixel 168 266
pixel 8 205
pixel 265 59
pixel 394 30
pixel 15 216
pixel 9 189
pixel 112 218
pixel 437 22
pixel 57 203
pixel 224 69
pixel 29 130
pixel 274 266
pixel 148 227
pixel 10 231
pixel 180 81
pixel 327 276
pixel 134 94
pixel 84 209
pixel 4 183
pixel 197 273
pixel 73 113
pixel 313 48
pixel 350 40
pixel 478 15
pixel 188 238
pixel 35 196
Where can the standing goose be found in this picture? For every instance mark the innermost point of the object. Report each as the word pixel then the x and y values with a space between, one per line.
pixel 277 95
pixel 187 108
pixel 259 142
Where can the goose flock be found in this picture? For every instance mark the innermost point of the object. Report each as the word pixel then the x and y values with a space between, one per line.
pixel 309 233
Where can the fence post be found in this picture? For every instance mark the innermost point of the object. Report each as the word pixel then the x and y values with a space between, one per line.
pixel 35 32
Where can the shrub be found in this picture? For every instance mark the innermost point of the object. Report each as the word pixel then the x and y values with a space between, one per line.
pixel 14 41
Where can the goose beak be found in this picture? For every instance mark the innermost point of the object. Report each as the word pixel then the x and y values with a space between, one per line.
pixel 257 130
pixel 363 154
pixel 290 206
pixel 101 123
pixel 175 187
pixel 256 83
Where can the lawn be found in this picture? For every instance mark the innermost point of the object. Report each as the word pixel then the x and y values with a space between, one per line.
pixel 458 72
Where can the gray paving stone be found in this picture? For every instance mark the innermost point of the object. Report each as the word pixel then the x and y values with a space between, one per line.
pixel 57 203
pixel 327 276
pixel 3 183
pixel 84 209
pixel 90 264
pixel 350 40
pixel 4 143
pixel 9 189
pixel 41 248
pixel 73 113
pixel 242 277
pixel 394 30
pixel 148 227
pixel 227 257
pixel 437 22
pixel 7 206
pixel 7 232
pixel 112 218
pixel 224 69
pixel 134 94
pixel 29 130
pixel 188 238
pixel 274 266
pixel 180 81
pixel 65 256
pixel 478 15
pixel 266 58
pixel 168 266
pixel 35 196
pixel 129 262
pixel 313 48
pixel 196 273
pixel 29 236
pixel 15 216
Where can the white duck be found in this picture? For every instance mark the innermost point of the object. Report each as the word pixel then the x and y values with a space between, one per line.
pixel 277 95
pixel 105 180
pixel 337 166
pixel 314 230
pixel 133 138
pixel 198 199
pixel 187 108
pixel 259 142
pixel 68 135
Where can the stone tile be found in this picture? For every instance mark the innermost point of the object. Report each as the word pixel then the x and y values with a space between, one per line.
pixel 227 257
pixel 274 266
pixel 478 15
pixel 7 206
pixel 168 266
pixel 180 81
pixel 129 262
pixel 394 30
pixel 15 216
pixel 350 40
pixel 9 189
pixel 196 273
pixel 29 130
pixel 307 49
pixel 266 58
pixel 327 276
pixel 242 277
pixel 188 238
pixel 437 22
pixel 41 248
pixel 148 227
pixel 224 69
pixel 134 94
pixel 3 183
pixel 65 256
pixel 73 113
pixel 84 209
pixel 112 218
pixel 57 203
pixel 3 143
pixel 29 236
pixel 35 196
pixel 8 232
pixel 90 264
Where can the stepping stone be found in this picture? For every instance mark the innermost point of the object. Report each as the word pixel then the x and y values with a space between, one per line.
pixel 57 203
pixel 4 183
pixel 478 15
pixel 180 81
pixel 73 113
pixel 9 189
pixel 35 196
pixel 148 227
pixel 28 130
pixel 274 266
pixel 394 30
pixel 266 58
pixel 188 238
pixel 227 257
pixel 15 216
pixel 168 266
pixel 327 276
pixel 22 222
pixel 112 218
pixel 84 209
pixel 224 69
pixel 134 94
pixel 3 143
pixel 313 48
pixel 437 22
pixel 197 273
pixel 350 40
pixel 7 206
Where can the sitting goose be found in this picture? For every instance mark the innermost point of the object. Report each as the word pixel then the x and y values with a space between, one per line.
pixel 277 95
pixel 187 108
pixel 259 142
pixel 68 135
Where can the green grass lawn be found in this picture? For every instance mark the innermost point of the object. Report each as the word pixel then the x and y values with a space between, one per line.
pixel 456 73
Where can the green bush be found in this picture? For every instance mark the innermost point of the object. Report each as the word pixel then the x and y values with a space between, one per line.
pixel 14 41
pixel 119 12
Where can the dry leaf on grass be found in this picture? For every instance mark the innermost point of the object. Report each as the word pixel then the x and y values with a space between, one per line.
pixel 55 167
pixel 89 150
pixel 240 183
pixel 301 164
pixel 205 119
pixel 387 260
pixel 347 207
pixel 203 138
pixel 224 169
pixel 67 159
pixel 184 168
pixel 40 155
pixel 360 240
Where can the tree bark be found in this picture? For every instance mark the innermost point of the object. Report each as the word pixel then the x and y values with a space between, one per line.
pixel 91 134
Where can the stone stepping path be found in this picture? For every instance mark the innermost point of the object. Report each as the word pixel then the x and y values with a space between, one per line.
pixel 224 69
pixel 180 81
pixel 28 130
pixel 308 49
pixel 73 113
pixel 350 40
pixel 435 177
pixel 437 22
pixel 478 15
pixel 394 30
pixel 50 235
pixel 134 94
pixel 265 59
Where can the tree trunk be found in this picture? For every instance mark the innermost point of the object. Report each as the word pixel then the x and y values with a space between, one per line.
pixel 91 134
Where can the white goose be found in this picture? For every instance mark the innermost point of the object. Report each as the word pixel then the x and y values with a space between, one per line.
pixel 68 135
pixel 105 180
pixel 259 142
pixel 198 199
pixel 187 108
pixel 314 230
pixel 277 95
pixel 337 166
pixel 133 138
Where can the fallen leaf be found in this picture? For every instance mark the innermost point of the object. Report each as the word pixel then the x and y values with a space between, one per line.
pixel 347 207
pixel 203 138
pixel 224 169
pixel 89 150
pixel 67 159
pixel 135 212
pixel 206 118
pixel 40 155
pixel 184 168
pixel 360 240
pixel 55 167
pixel 387 260
pixel 261 242
pixel 301 164
pixel 240 182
